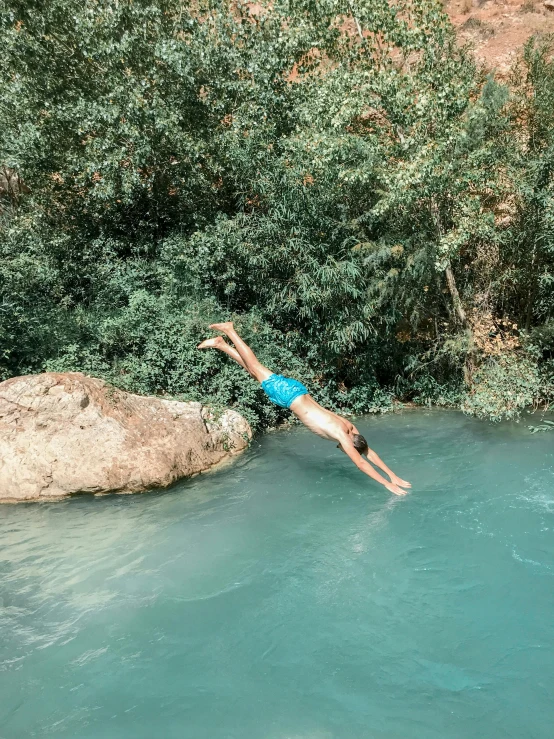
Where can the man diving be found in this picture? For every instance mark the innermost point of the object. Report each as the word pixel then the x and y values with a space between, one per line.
pixel 292 394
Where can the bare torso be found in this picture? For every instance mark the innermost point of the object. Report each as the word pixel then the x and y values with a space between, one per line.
pixel 318 419
pixel 321 421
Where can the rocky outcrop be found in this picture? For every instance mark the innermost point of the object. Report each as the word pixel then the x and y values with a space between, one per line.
pixel 64 433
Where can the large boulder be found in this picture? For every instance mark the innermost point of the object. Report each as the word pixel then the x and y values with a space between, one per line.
pixel 64 433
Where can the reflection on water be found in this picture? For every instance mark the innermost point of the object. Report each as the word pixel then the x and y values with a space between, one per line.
pixel 289 596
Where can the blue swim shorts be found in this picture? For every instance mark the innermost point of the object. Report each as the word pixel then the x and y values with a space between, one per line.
pixel 282 390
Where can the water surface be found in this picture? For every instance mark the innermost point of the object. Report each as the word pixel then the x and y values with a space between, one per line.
pixel 290 597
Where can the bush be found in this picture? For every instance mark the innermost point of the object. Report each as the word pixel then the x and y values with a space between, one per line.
pixel 503 387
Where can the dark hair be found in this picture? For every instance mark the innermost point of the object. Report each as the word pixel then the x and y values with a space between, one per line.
pixel 360 444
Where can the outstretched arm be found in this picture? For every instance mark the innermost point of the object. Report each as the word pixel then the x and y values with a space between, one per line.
pixel 364 466
pixel 378 462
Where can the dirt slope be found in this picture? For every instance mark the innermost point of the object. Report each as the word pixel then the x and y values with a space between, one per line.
pixel 498 29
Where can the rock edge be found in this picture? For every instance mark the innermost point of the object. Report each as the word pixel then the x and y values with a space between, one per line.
pixel 67 433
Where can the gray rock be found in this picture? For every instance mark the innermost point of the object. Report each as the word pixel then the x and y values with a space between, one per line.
pixel 64 433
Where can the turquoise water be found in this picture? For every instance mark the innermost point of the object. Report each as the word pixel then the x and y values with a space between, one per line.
pixel 290 597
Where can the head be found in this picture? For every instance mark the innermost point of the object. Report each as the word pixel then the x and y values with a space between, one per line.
pixel 360 444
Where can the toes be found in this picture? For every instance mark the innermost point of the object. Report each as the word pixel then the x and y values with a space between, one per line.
pixel 222 326
pixel 211 343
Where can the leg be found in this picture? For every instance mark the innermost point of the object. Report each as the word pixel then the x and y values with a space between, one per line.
pixel 220 343
pixel 252 364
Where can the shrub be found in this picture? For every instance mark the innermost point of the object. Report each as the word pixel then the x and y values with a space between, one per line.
pixel 502 387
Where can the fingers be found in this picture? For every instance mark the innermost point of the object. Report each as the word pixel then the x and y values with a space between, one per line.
pixel 401 483
pixel 396 490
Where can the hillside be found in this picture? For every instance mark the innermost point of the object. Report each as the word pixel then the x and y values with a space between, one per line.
pixel 497 30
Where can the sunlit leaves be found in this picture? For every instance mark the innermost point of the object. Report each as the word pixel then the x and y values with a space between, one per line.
pixel 311 167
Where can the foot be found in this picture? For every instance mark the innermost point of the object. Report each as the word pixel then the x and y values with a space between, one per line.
pixel 401 483
pixel 223 327
pixel 395 489
pixel 211 343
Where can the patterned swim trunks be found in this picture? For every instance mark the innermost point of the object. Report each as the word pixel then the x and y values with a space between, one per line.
pixel 282 390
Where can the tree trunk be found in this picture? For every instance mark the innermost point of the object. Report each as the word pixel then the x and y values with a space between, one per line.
pixel 457 303
pixel 532 289
pixel 356 21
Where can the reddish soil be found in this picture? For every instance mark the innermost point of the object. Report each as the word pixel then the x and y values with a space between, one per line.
pixel 498 29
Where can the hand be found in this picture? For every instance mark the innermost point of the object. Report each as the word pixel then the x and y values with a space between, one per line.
pixel 401 483
pixel 395 489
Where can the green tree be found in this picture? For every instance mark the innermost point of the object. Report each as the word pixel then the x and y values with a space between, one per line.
pixel 338 176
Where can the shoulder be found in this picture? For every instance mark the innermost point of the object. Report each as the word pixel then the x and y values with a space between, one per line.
pixel 344 440
pixel 348 448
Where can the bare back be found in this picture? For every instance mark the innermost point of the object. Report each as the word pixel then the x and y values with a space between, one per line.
pixel 321 421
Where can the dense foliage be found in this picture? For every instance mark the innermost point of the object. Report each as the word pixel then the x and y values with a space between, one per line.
pixel 374 212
